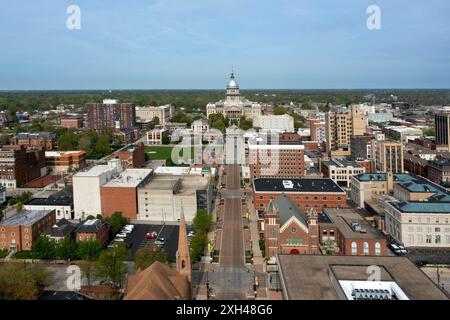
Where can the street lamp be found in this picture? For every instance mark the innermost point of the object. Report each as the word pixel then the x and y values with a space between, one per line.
pixel 207 286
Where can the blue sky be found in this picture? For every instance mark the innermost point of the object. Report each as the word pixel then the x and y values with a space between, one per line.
pixel 192 44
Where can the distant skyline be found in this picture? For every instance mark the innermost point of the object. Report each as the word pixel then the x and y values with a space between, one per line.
pixel 179 44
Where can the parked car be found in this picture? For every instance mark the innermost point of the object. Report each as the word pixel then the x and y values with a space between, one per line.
pixel 119 239
pixel 151 235
pixel 121 235
pixel 160 241
pixel 191 233
pixel 129 227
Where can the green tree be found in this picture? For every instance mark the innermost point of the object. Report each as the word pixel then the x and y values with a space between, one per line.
pixel 87 270
pixel 245 124
pixel 68 141
pixel 89 249
pixel 21 282
pixel 67 248
pixel 165 139
pixel 202 220
pixel 279 110
pixel 116 221
pixel 90 217
pixel 147 255
pixel 198 244
pixel 110 264
pixel 44 248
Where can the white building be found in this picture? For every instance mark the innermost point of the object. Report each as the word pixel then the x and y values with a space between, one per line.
pixel 148 113
pixel 156 136
pixel 161 199
pixel 341 170
pixel 283 122
pixel 234 106
pixel 200 126
pixel 86 188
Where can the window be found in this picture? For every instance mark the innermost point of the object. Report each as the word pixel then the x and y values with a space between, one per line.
pixel 437 229
pixel 331 233
pixel 13 234
pixel 437 239
pixel 366 249
pixel 428 238
pixel 354 248
pixel 377 248
pixel 293 230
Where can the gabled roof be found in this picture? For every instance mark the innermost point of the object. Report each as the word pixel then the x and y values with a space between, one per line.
pixel 287 209
pixel 158 282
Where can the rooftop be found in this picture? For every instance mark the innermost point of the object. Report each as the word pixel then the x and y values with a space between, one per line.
pixel 343 220
pixel 341 163
pixel 422 206
pixel 382 177
pixel 286 208
pixel 296 185
pixel 60 229
pixel 63 153
pixel 307 277
pixel 25 218
pixel 91 225
pixel 37 135
pixel 185 184
pixel 129 178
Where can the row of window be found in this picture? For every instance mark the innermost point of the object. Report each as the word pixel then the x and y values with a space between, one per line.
pixel 316 198
pixel 366 248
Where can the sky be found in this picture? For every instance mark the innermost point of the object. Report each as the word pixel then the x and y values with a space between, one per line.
pixel 194 44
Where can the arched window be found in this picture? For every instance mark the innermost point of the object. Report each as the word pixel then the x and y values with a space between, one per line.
pixel 354 248
pixel 366 249
pixel 377 248
pixel 183 264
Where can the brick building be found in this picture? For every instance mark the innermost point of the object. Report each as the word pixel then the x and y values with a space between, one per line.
pixel 350 233
pixel 94 229
pixel 439 171
pixel 111 115
pixel 19 165
pixel 65 161
pixel 120 194
pixel 340 170
pixel 132 156
pixel 46 140
pixel 71 122
pixel 20 230
pixel 288 230
pixel 307 193
pixel 285 159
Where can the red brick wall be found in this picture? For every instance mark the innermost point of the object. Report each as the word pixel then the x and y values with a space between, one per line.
pixel 72 123
pixel 304 200
pixel 119 199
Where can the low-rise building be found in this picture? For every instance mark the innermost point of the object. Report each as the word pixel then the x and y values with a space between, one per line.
pixel 351 278
pixel 156 136
pixel 65 161
pixel 120 193
pixel 439 171
pixel 132 156
pixel 350 234
pixel 148 113
pixel 86 188
pixel 163 196
pixel 94 229
pixel 61 230
pixel 340 170
pixel 61 202
pixel 307 193
pixel 45 140
pixel 284 123
pixel 71 122
pixel 19 231
pixel 200 126
pixel 288 229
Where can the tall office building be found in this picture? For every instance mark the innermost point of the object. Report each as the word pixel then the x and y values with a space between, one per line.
pixel 340 125
pixel 111 115
pixel 389 157
pixel 442 123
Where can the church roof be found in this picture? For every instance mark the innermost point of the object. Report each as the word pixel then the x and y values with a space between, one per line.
pixel 286 208
pixel 158 282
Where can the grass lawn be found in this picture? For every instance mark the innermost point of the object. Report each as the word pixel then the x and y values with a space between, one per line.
pixel 162 152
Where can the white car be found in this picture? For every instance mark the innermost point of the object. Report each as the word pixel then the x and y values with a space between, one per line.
pixel 121 235
pixel 126 231
pixel 119 240
pixel 191 233
pixel 129 227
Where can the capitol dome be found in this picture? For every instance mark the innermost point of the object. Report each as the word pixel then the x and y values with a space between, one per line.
pixel 232 83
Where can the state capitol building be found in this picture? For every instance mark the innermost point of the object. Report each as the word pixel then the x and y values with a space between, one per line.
pixel 234 106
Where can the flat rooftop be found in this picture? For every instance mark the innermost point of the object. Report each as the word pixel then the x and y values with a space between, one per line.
pixel 188 184
pixel 63 153
pixel 296 185
pixel 341 163
pixel 343 219
pixel 307 277
pixel 25 218
pixel 422 207
pixel 129 178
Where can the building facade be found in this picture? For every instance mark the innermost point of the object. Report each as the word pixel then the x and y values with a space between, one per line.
pixel 148 113
pixel 132 156
pixel 442 124
pixel 340 170
pixel 389 157
pixel 19 231
pixel 284 123
pixel 94 229
pixel 65 161
pixel 38 140
pixel 72 122
pixel 439 171
pixel 234 106
pixel 111 115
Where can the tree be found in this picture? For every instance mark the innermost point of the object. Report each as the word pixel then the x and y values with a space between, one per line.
pixel 202 220
pixel 245 124
pixel 90 217
pixel 89 249
pixel 21 282
pixel 68 141
pixel 279 110
pixel 19 207
pixel 99 217
pixel 44 248
pixel 165 139
pixel 66 249
pixel 219 125
pixel 147 255
pixel 198 244
pixel 87 270
pixel 116 221
pixel 110 264
pixel 1 214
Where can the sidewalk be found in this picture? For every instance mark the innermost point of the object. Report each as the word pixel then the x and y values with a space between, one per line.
pixel 258 259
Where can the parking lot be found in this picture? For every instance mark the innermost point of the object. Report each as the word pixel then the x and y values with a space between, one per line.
pixel 137 240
